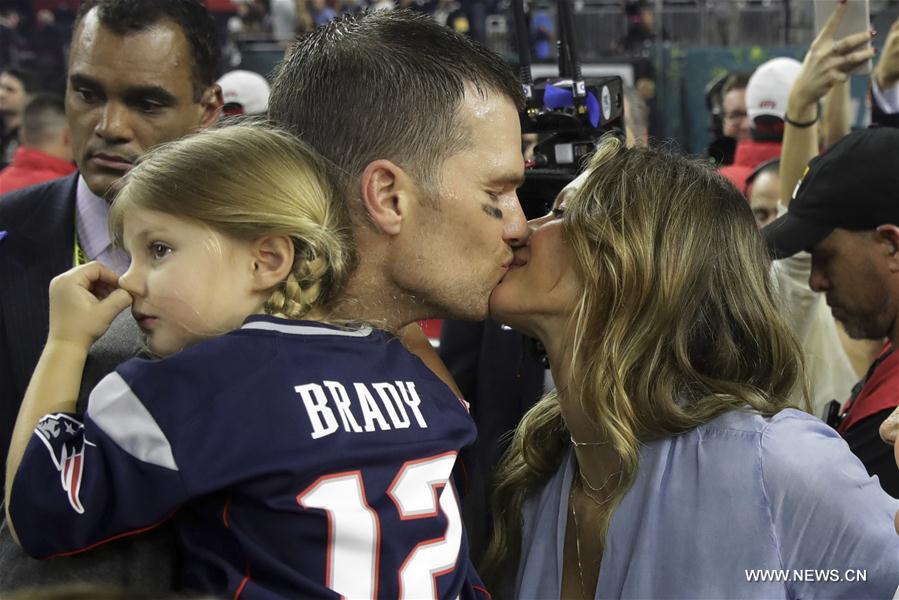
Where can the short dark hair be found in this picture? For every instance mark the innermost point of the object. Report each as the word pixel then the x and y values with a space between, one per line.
pixel 129 16
pixel 384 84
pixel 26 78
pixel 42 118
pixel 737 80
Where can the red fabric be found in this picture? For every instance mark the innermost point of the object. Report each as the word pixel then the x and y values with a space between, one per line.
pixel 220 6
pixel 29 167
pixel 431 327
pixel 747 157
pixel 880 392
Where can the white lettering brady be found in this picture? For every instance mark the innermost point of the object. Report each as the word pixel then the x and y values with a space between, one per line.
pixel 321 417
pixel 396 399
pixel 393 404
pixel 342 401
pixel 370 410
pixel 411 398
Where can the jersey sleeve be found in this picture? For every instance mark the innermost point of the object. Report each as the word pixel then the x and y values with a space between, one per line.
pixel 89 479
pixel 156 435
pixel 473 588
pixel 828 515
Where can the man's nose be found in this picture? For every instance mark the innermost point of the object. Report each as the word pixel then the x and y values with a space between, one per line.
pixel 516 230
pixel 818 281
pixel 114 123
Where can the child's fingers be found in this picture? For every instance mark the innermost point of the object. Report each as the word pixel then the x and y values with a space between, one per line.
pixel 117 301
pixel 101 289
pixel 95 272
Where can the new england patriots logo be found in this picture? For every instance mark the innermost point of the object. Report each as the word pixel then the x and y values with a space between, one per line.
pixel 64 438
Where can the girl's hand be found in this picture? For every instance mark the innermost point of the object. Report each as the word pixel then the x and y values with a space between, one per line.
pixel 83 302
pixel 829 61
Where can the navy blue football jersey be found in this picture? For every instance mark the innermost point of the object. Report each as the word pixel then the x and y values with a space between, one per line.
pixel 298 460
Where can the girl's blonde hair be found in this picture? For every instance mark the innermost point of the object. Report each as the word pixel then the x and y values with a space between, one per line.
pixel 249 181
pixel 676 324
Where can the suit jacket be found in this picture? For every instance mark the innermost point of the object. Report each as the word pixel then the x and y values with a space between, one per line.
pixel 40 240
pixel 501 377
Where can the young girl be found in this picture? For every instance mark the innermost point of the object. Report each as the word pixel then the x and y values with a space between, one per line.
pixel 284 448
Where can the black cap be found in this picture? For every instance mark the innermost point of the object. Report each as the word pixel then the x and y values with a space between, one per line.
pixel 854 185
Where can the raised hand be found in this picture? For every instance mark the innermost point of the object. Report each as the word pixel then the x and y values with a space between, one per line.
pixel 886 73
pixel 83 302
pixel 828 62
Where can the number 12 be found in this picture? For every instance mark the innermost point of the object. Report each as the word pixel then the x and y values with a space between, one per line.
pixel 354 532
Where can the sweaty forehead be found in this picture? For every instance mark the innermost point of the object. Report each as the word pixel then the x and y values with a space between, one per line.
pixel 156 56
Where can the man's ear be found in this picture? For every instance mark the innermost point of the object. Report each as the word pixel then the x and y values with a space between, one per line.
pixel 888 236
pixel 211 103
pixel 385 187
pixel 272 261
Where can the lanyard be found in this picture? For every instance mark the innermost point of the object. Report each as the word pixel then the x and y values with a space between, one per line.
pixel 80 258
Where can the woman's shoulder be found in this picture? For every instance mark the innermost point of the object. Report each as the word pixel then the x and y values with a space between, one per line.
pixel 738 432
pixel 774 452
pixel 746 421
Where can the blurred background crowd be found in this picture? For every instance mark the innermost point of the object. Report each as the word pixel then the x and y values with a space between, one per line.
pixel 672 54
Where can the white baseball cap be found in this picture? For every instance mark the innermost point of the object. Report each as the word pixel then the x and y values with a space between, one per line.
pixel 247 92
pixel 769 87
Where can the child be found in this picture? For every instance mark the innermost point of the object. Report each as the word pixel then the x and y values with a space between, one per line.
pixel 294 456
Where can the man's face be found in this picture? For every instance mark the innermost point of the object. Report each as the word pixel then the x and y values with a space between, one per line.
pixel 541 289
pixel 764 197
pixel 12 95
pixel 850 268
pixel 460 241
pixel 128 93
pixel 736 119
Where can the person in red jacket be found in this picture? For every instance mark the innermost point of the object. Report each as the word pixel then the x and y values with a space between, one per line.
pixel 46 150
pixel 766 101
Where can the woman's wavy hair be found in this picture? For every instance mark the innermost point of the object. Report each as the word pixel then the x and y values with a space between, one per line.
pixel 676 325
pixel 248 181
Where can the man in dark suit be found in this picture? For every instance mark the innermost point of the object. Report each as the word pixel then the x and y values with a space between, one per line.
pixel 500 374
pixel 140 74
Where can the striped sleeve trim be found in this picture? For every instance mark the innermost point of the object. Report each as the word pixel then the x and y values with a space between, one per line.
pixel 118 412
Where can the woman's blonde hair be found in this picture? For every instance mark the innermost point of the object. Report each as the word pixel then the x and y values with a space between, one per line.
pixel 676 324
pixel 249 181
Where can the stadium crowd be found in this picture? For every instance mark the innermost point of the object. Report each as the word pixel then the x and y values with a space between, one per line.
pixel 677 381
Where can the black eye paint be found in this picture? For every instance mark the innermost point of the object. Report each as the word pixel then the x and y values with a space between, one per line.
pixel 492 211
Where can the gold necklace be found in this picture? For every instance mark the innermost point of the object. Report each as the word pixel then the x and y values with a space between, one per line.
pixel 587 444
pixel 577 547
pixel 600 489
pixel 577 528
pixel 583 478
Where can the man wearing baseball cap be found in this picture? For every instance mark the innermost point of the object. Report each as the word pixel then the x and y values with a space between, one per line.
pixel 845 211
pixel 766 105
